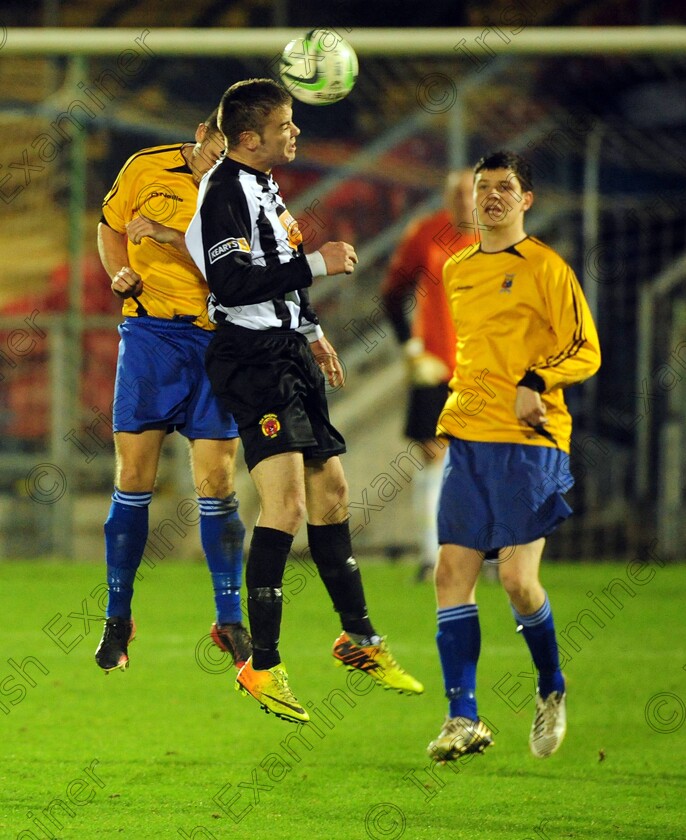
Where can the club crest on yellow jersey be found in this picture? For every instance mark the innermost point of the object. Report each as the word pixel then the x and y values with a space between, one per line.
pixel 507 284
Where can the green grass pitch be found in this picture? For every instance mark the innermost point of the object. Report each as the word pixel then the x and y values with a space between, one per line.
pixel 169 749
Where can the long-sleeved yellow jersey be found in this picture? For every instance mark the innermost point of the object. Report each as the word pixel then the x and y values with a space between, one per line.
pixel 517 313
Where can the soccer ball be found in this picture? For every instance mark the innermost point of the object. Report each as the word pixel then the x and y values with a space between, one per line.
pixel 319 68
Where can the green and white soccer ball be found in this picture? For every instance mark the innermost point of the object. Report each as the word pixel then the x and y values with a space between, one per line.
pixel 320 68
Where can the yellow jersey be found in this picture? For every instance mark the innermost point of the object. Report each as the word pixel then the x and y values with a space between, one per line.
pixel 158 183
pixel 517 313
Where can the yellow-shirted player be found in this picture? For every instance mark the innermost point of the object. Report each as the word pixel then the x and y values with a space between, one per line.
pixel 524 333
pixel 161 385
pixel 522 317
pixel 157 186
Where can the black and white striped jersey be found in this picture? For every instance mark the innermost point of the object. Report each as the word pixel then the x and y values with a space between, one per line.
pixel 249 249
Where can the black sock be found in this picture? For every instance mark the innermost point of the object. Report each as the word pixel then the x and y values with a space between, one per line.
pixel 267 557
pixel 331 551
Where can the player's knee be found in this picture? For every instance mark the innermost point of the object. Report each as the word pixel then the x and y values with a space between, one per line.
pixel 296 511
pixel 329 485
pixel 134 478
pixel 286 513
pixel 455 577
pixel 445 575
pixel 335 499
pixel 520 590
pixel 217 484
pixel 340 491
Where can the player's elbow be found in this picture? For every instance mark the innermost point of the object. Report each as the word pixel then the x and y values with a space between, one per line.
pixel 225 290
pixel 596 360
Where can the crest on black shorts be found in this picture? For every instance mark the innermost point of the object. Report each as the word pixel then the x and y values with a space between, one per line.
pixel 270 425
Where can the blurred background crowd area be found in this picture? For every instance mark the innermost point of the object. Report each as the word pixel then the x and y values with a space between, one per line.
pixel 306 13
pixel 606 137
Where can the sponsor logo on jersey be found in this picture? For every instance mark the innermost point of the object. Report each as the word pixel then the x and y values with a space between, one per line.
pixel 157 202
pixel 291 227
pixel 162 194
pixel 270 425
pixel 507 284
pixel 226 246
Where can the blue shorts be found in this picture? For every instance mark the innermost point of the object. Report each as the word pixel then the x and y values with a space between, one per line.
pixel 161 381
pixel 501 494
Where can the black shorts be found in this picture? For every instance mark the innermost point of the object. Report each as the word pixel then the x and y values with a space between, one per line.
pixel 276 392
pixel 423 409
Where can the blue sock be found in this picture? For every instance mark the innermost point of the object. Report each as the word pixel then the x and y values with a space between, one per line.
pixel 126 532
pixel 539 631
pixel 222 534
pixel 459 645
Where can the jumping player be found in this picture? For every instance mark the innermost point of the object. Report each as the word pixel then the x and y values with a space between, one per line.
pixel 250 251
pixel 161 385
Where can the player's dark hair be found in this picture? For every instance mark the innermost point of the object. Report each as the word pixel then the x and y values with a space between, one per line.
pixel 508 160
pixel 246 106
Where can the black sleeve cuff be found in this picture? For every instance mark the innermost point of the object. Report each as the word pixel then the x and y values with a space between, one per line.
pixel 532 380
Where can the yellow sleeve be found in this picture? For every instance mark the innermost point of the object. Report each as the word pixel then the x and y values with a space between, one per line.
pixel 117 204
pixel 577 356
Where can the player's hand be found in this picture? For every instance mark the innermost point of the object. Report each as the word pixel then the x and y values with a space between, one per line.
pixel 127 283
pixel 424 369
pixel 340 258
pixel 529 407
pixel 327 359
pixel 141 227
